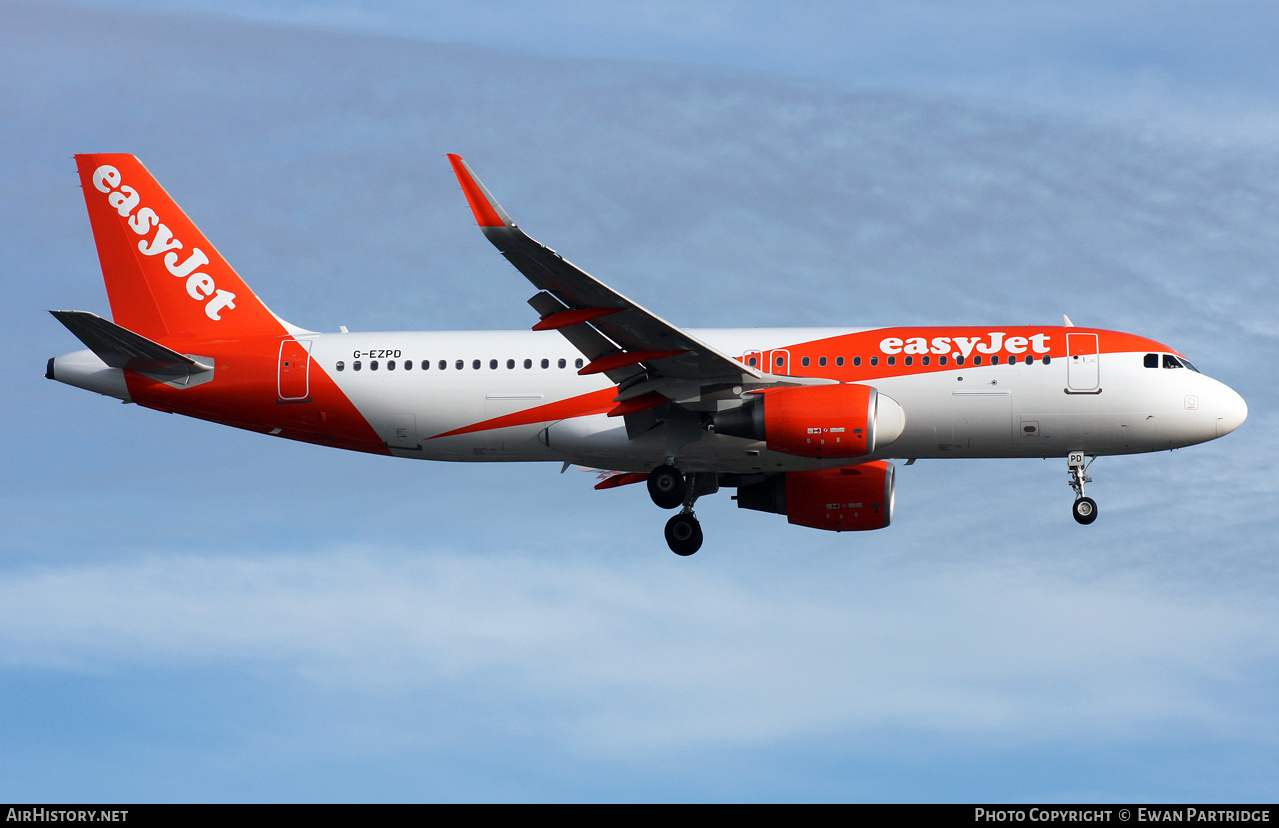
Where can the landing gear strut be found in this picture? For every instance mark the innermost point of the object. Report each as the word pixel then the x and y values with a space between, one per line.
pixel 669 487
pixel 1085 508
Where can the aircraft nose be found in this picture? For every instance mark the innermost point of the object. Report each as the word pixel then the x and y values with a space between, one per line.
pixel 1231 411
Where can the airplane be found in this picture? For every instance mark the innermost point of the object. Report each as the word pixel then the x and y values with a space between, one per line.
pixel 802 422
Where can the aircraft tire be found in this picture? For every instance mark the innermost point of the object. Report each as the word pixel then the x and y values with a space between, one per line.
pixel 1085 510
pixel 684 534
pixel 666 486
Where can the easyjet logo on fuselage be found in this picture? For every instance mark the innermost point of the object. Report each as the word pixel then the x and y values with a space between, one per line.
pixel 963 346
pixel 199 286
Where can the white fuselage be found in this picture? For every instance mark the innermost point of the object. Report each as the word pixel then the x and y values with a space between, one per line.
pixel 1005 410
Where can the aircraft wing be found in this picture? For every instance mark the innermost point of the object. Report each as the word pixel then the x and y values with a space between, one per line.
pixel 634 347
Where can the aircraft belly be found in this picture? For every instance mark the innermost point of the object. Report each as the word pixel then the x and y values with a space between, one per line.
pixel 602 441
pixel 981 422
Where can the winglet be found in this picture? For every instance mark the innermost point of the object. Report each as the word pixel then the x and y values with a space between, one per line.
pixel 488 213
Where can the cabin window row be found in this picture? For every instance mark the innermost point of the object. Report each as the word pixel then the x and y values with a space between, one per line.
pixel 907 360
pixel 458 365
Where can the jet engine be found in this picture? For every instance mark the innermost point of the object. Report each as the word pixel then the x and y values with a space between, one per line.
pixel 843 420
pixel 848 499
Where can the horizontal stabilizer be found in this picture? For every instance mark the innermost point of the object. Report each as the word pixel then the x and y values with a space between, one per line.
pixel 121 348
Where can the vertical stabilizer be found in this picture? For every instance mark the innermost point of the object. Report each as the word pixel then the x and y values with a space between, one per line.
pixel 163 277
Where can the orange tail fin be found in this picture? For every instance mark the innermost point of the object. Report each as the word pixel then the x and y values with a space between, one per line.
pixel 163 277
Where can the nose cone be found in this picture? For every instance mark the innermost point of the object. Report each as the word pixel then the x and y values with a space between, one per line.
pixel 1231 410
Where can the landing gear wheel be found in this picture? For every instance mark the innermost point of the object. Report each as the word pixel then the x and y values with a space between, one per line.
pixel 684 534
pixel 1085 508
pixel 666 487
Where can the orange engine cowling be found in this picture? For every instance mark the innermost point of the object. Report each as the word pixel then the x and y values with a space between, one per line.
pixel 848 499
pixel 841 420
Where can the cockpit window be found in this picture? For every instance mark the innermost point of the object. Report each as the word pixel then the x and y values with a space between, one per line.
pixel 1171 361
pixel 1188 364
pixel 1152 360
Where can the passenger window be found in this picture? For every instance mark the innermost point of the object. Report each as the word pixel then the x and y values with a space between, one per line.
pixel 752 362
pixel 873 360
pixel 372 364
pixel 892 360
pixel 355 366
pixel 958 360
pixel 408 365
pixel 1047 359
pixel 924 360
pixel 994 360
pixel 940 360
pixel 563 363
pixel 804 362
pixel 475 365
pixel 426 365
pixel 976 361
pixel 443 365
pixel 390 365
pixel 459 365
pixel 1151 361
pixel 821 361
pixel 857 362
pixel 839 362
pixel 341 366
pixel 492 364
pixel 910 360
pixel 578 362
pixel 528 363
pixel 546 363
pixel 510 363
pixel 1029 359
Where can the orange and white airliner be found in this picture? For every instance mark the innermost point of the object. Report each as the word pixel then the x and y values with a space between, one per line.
pixel 800 421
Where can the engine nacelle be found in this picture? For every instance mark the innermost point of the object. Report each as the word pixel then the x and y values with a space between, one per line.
pixel 848 499
pixel 843 420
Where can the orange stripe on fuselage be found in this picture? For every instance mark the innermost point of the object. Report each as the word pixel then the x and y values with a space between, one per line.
pixel 583 405
pixel 937 343
pixel 243 394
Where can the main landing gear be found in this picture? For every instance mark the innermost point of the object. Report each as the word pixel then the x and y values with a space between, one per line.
pixel 1085 508
pixel 684 534
pixel 669 488
pixel 666 486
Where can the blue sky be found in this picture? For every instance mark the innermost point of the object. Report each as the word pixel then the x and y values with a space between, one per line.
pixel 192 613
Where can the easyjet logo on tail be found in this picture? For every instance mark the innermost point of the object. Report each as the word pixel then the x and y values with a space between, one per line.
pixel 200 286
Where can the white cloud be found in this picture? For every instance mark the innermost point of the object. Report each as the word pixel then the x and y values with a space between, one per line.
pixel 642 658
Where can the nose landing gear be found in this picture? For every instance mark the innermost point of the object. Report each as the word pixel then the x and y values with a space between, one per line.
pixel 1085 508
